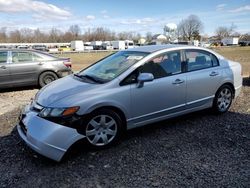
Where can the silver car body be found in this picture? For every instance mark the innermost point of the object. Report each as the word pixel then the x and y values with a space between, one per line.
pixel 26 73
pixel 155 101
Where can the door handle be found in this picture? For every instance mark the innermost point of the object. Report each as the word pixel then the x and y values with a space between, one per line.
pixel 178 81
pixel 213 73
pixel 3 67
pixel 40 63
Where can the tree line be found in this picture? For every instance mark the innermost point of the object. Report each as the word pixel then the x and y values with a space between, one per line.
pixel 188 29
pixel 27 35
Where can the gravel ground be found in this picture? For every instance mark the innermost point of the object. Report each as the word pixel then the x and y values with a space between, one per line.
pixel 195 150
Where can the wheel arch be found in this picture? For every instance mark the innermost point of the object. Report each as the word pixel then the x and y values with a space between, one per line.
pixel 228 84
pixel 115 109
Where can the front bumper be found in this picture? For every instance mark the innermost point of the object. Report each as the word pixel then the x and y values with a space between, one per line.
pixel 47 138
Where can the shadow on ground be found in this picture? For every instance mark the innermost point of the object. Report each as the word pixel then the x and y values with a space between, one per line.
pixel 12 89
pixel 246 81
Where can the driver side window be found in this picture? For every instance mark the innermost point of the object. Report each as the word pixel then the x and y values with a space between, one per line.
pixel 166 64
pixel 163 65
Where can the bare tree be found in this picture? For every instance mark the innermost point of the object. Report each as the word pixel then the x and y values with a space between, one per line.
pixel 149 37
pixel 3 35
pixel 26 35
pixel 125 35
pixel 101 33
pixel 38 36
pixel 15 36
pixel 98 34
pixel 75 30
pixel 68 36
pixel 136 37
pixel 55 35
pixel 222 32
pixel 190 28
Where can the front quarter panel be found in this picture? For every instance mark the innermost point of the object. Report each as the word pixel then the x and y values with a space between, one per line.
pixel 116 97
pixel 111 96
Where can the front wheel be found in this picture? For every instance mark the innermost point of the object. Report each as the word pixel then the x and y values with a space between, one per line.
pixel 223 99
pixel 104 128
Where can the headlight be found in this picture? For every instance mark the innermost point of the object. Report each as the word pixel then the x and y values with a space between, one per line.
pixel 58 112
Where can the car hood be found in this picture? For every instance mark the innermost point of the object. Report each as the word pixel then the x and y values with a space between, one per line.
pixel 62 88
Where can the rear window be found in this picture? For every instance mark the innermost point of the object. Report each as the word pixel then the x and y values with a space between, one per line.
pixel 43 57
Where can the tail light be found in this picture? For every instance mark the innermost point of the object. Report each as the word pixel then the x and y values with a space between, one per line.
pixel 67 63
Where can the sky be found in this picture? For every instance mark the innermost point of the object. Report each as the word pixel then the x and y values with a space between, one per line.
pixel 139 16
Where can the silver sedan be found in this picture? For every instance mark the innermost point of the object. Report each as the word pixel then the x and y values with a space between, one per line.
pixel 128 89
pixel 29 67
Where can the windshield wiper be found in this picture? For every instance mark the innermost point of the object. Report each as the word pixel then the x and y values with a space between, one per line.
pixel 77 75
pixel 92 78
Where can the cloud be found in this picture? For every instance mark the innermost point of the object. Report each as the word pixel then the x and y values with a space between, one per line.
pixel 106 16
pixel 143 21
pixel 39 9
pixel 241 9
pixel 220 7
pixel 89 18
pixel 104 12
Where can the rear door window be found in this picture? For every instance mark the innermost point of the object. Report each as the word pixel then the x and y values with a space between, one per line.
pixel 3 57
pixel 20 57
pixel 198 59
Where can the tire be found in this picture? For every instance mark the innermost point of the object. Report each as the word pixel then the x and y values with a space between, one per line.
pixel 223 99
pixel 103 128
pixel 46 78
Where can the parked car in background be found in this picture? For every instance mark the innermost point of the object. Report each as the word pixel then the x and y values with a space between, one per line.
pixel 88 46
pixel 40 48
pixel 23 47
pixel 128 89
pixel 29 67
pixel 64 49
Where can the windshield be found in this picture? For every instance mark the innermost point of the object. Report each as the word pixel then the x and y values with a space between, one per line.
pixel 112 66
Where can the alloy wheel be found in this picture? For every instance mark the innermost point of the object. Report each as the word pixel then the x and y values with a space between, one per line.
pixel 101 130
pixel 224 99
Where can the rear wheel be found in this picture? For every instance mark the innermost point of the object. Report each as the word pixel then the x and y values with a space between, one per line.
pixel 46 78
pixel 223 99
pixel 104 128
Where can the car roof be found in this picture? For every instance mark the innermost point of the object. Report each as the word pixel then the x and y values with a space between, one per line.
pixel 27 50
pixel 154 48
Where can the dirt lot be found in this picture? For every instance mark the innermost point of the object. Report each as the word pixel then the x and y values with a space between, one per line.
pixel 199 149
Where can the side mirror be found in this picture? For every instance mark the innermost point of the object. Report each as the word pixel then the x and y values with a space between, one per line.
pixel 144 77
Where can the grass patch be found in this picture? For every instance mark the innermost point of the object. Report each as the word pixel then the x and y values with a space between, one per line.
pixel 238 54
pixel 82 60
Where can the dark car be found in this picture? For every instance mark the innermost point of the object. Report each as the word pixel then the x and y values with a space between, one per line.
pixel 30 67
